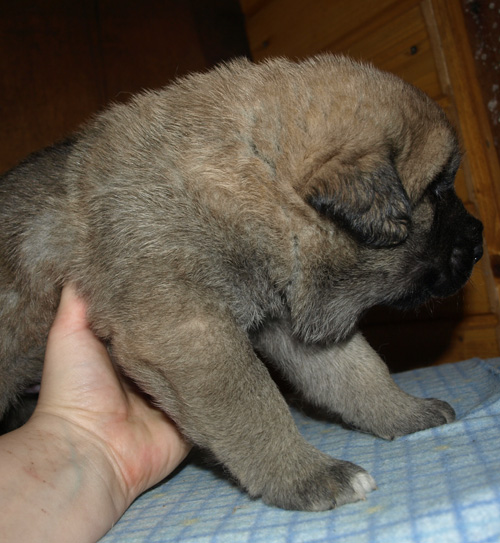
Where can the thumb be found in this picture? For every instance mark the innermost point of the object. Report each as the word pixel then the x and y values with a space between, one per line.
pixel 75 357
pixel 71 315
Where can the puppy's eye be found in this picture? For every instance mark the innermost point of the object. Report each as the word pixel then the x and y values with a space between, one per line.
pixel 442 183
pixel 441 188
pixel 445 180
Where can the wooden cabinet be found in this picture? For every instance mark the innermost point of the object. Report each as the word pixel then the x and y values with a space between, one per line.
pixel 425 43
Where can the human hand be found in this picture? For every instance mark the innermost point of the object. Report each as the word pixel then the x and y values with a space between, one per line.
pixel 92 445
pixel 81 388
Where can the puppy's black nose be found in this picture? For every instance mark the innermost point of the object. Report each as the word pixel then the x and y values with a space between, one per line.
pixel 475 229
pixel 478 252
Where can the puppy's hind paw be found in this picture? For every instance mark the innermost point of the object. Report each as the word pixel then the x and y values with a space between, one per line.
pixel 424 413
pixel 441 412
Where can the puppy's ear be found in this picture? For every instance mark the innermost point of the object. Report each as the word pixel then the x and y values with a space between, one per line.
pixel 371 203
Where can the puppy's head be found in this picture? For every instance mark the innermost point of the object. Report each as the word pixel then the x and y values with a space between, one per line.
pixel 389 188
pixel 389 142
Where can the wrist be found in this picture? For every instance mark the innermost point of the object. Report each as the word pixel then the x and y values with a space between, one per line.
pixel 86 454
pixel 68 477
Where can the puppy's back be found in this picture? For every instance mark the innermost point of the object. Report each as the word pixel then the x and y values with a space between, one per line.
pixel 36 235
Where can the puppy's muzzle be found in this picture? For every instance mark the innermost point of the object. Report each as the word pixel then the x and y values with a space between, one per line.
pixel 454 270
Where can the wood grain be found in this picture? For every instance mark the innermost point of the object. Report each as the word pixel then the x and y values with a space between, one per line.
pixel 48 70
pixel 296 28
pixel 398 44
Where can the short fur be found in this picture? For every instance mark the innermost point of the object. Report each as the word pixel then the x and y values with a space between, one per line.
pixel 256 207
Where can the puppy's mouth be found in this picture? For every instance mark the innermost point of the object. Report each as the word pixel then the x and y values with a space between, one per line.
pixel 442 275
pixel 445 280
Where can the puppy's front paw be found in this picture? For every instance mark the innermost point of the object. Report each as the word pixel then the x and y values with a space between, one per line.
pixel 331 484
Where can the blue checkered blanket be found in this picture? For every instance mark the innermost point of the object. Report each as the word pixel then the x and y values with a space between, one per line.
pixel 437 486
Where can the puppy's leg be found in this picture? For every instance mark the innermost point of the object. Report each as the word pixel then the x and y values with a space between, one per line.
pixel 204 373
pixel 351 380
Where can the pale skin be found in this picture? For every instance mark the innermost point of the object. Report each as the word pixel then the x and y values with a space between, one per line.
pixel 91 447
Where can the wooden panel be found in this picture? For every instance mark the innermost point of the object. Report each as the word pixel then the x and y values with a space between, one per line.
pixel 47 73
pixel 408 345
pixel 62 61
pixel 474 296
pixel 482 20
pixel 463 191
pixel 146 47
pixel 296 28
pixel 401 45
pixel 220 27
pixel 249 7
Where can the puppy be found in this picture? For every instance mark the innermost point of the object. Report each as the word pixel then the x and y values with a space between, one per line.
pixel 254 208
